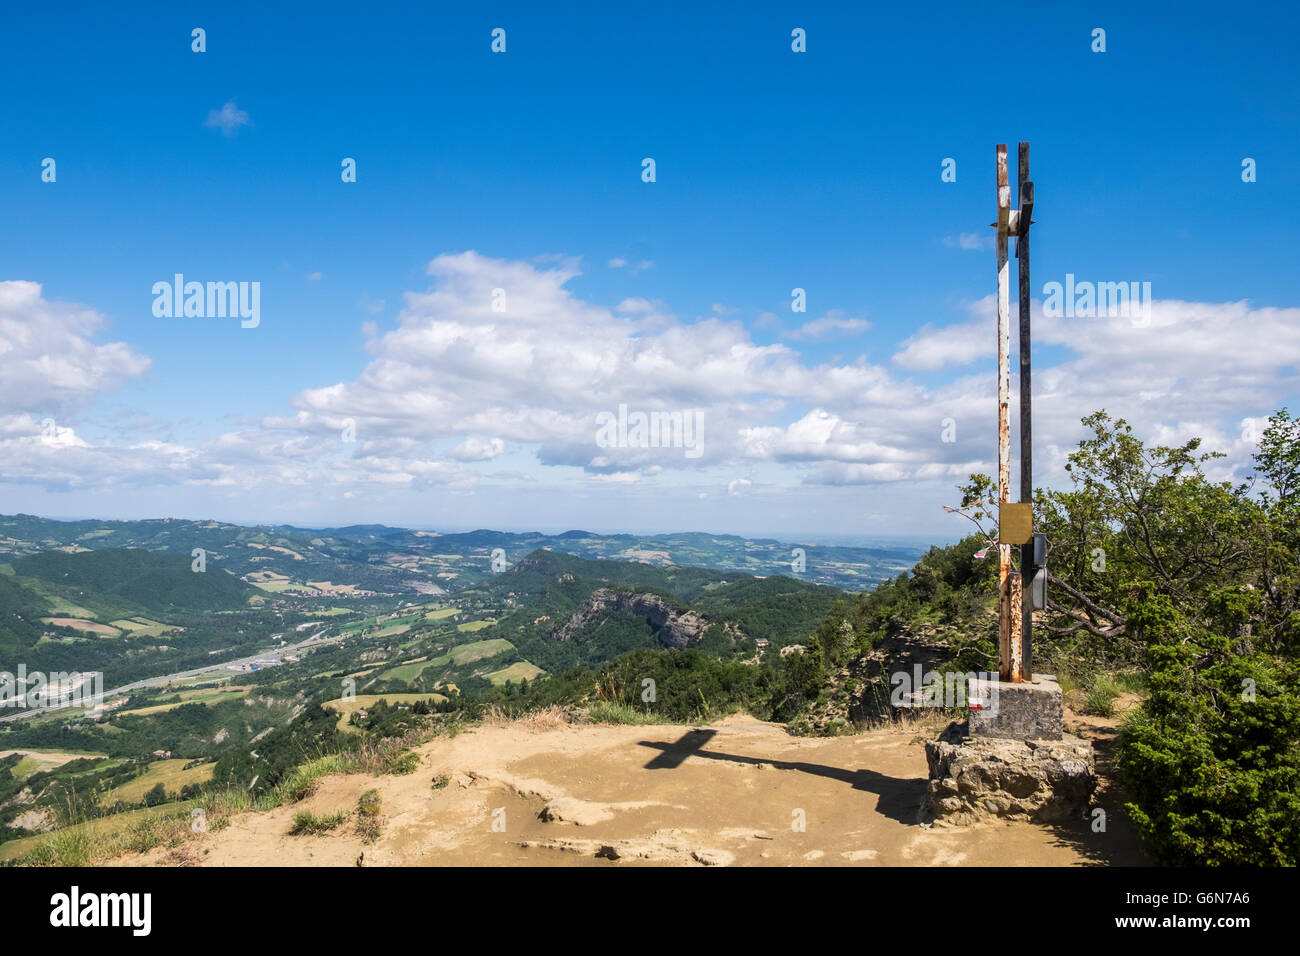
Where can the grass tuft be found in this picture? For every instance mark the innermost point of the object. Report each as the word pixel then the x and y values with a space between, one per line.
pixel 307 823
pixel 613 712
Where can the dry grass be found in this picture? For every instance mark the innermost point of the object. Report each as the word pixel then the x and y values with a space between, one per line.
pixel 916 721
pixel 87 842
pixel 533 722
pixel 369 823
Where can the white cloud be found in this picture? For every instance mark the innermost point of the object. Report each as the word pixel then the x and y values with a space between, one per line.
pixel 635 305
pixel 452 371
pixel 959 344
pixel 49 359
pixel 616 478
pixel 228 119
pixel 969 241
pixel 834 324
pixel 475 448
pixel 541 373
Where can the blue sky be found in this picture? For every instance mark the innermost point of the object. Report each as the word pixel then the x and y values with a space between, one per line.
pixel 522 171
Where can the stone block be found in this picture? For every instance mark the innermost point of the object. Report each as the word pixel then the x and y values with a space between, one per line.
pixel 1024 711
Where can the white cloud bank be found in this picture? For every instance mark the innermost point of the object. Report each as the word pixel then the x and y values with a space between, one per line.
pixel 458 381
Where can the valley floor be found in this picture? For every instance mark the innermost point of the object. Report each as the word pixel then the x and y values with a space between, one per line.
pixel 728 793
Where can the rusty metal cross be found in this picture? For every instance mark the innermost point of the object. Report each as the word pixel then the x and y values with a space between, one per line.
pixel 1015 522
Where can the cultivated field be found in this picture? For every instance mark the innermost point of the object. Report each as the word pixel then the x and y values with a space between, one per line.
pixel 81 624
pixel 521 670
pixel 170 773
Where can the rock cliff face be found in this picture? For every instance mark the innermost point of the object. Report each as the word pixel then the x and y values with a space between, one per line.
pixel 674 628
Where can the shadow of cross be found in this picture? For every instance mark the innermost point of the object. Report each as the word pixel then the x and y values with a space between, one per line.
pixel 899 797
pixel 677 751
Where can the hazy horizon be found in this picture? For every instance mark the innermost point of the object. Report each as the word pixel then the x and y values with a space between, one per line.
pixel 829 538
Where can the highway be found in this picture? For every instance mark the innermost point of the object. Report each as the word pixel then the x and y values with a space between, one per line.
pixel 315 640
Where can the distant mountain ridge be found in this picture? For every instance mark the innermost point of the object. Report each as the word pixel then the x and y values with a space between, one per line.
pixel 389 560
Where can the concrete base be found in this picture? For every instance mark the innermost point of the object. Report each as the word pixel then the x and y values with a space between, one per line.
pixel 977 779
pixel 1022 711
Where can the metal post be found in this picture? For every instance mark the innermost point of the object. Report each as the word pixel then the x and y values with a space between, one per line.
pixel 1026 416
pixel 1006 655
pixel 1015 601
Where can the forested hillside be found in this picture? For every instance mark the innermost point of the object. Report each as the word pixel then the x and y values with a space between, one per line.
pixel 129 581
pixel 735 610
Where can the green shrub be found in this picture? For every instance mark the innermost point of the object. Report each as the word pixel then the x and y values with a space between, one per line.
pixel 1214 775
pixel 401 764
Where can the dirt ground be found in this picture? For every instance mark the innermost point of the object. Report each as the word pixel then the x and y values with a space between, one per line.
pixel 734 792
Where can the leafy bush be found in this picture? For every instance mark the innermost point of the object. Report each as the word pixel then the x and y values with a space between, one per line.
pixel 1214 776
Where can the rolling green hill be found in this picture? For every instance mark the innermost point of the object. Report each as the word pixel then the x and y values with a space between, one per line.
pixel 561 620
pixel 125 582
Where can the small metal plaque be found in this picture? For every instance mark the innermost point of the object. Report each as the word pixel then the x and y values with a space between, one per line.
pixel 1015 522
pixel 1038 590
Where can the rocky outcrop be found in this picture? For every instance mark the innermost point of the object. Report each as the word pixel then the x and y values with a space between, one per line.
pixel 37 821
pixel 859 694
pixel 979 778
pixel 674 628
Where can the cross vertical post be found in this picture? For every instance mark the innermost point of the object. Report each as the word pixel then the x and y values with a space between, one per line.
pixel 1015 521
pixel 1024 220
pixel 1007 653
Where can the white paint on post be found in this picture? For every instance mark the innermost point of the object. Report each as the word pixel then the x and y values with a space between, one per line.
pixel 1004 406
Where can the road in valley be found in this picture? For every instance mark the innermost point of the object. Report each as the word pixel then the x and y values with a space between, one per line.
pixel 315 640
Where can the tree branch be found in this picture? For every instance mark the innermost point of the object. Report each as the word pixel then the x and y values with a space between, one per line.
pixel 1115 617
